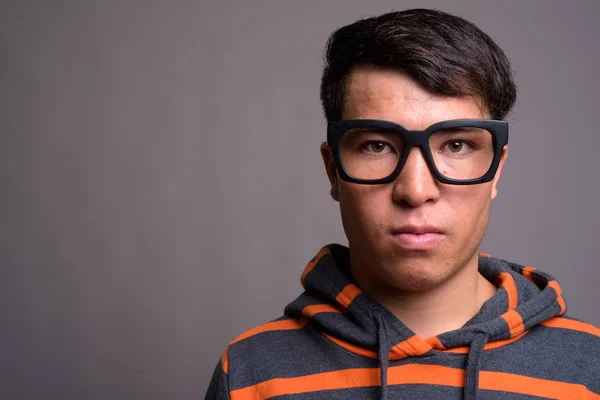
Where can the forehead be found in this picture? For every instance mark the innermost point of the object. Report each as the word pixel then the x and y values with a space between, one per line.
pixel 382 93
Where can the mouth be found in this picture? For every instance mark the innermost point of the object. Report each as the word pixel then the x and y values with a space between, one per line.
pixel 414 237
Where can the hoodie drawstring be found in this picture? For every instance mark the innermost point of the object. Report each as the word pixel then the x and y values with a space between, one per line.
pixel 473 362
pixel 473 366
pixel 384 352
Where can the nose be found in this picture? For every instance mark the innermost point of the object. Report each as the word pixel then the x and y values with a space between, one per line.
pixel 416 184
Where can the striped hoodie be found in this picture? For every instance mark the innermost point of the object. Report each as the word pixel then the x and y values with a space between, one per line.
pixel 334 343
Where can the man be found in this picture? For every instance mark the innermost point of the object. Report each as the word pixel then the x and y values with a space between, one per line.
pixel 416 142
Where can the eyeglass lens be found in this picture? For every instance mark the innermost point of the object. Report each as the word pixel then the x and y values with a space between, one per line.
pixel 460 153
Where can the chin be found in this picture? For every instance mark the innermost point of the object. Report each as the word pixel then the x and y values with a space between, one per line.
pixel 416 273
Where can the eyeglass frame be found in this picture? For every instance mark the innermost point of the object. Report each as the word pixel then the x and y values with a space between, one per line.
pixel 419 138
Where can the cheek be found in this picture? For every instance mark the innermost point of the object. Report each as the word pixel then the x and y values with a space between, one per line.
pixel 471 208
pixel 364 208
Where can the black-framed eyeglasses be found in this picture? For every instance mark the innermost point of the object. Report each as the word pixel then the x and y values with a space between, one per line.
pixel 458 152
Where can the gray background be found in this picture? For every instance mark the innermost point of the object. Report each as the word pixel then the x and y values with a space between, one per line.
pixel 162 187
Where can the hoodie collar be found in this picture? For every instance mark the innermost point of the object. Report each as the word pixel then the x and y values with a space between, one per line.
pixel 348 317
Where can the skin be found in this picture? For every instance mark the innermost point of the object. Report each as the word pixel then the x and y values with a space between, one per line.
pixel 434 290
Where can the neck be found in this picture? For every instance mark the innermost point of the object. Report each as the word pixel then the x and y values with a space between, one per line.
pixel 436 310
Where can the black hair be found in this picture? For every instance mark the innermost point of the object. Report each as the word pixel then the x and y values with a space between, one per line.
pixel 446 54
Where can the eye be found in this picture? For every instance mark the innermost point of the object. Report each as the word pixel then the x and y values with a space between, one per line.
pixel 458 146
pixel 376 147
pixel 455 146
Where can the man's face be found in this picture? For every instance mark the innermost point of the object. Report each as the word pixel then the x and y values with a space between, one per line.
pixel 374 216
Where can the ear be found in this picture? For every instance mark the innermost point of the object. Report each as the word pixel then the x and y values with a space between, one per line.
pixel 503 158
pixel 331 170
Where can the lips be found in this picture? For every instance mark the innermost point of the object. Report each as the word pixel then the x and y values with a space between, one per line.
pixel 416 229
pixel 414 237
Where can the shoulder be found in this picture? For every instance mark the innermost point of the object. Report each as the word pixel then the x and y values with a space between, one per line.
pixel 575 346
pixel 263 336
pixel 260 350
pixel 568 326
pixel 570 340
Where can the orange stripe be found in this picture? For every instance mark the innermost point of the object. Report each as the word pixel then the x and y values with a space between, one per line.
pixel 314 262
pixel 508 283
pixel 351 347
pixel 225 360
pixel 489 346
pixel 414 346
pixel 506 382
pixel 310 311
pixel 554 285
pixel 410 347
pixel 484 255
pixel 412 374
pixel 435 343
pixel 348 294
pixel 527 272
pixel 572 325
pixel 310 383
pixel 514 321
pixel 285 325
pixel 425 374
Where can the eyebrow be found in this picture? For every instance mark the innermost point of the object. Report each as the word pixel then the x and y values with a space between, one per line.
pixel 375 129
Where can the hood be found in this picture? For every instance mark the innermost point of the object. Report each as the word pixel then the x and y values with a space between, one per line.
pixel 346 316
